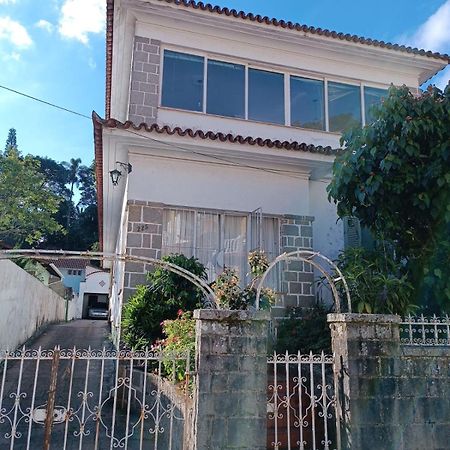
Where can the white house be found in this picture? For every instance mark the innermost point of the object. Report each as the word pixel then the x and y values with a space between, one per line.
pixel 230 122
pixel 94 291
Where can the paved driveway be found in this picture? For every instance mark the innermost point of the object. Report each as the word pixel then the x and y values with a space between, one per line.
pixel 81 384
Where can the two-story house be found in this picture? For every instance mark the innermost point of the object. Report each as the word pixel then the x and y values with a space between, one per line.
pixel 230 122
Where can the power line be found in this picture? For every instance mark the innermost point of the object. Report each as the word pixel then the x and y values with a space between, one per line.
pixel 184 149
pixel 45 102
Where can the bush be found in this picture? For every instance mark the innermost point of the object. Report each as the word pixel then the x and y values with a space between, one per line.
pixel 165 295
pixel 229 293
pixel 305 331
pixel 180 341
pixel 376 282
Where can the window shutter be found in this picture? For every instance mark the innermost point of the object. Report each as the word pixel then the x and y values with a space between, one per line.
pixel 352 232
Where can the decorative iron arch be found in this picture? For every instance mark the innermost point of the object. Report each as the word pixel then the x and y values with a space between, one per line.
pixel 309 257
pixel 209 297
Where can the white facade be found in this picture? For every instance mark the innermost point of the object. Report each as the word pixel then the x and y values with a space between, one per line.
pixel 208 174
pixel 96 283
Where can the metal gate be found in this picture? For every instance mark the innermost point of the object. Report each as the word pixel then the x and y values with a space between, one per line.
pixel 91 399
pixel 301 408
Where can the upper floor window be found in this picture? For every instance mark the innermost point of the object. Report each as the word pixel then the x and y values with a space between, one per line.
pixel 198 83
pixel 344 106
pixel 266 96
pixel 226 89
pixel 182 85
pixel 372 96
pixel 307 103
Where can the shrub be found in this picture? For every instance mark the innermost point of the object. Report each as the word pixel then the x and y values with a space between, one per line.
pixel 305 331
pixel 180 341
pixel 229 293
pixel 376 282
pixel 160 300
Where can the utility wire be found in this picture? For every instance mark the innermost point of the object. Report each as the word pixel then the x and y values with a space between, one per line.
pixel 184 149
pixel 45 102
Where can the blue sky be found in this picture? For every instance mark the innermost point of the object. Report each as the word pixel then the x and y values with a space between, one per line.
pixel 55 50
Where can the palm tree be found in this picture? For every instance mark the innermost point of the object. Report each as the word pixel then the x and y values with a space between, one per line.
pixel 73 179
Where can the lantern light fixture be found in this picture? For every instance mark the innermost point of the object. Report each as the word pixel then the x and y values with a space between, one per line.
pixel 116 174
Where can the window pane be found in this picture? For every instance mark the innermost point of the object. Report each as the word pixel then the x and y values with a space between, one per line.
pixel 226 89
pixel 207 242
pixel 235 244
pixel 266 96
pixel 271 247
pixel 182 81
pixel 307 103
pixel 373 96
pixel 344 106
pixel 178 232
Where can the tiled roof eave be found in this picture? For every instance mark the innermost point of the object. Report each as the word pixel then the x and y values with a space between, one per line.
pixel 215 136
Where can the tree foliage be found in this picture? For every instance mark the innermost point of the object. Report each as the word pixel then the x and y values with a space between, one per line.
pixel 394 176
pixel 27 205
pixel 42 202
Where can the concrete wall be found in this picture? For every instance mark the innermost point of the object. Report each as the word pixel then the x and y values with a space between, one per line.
pixel 231 384
pixel 25 305
pixel 392 396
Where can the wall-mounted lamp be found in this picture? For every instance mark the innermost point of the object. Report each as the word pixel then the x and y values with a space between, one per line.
pixel 116 174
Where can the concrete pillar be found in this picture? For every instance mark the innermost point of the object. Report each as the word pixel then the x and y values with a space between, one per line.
pixel 366 347
pixel 231 388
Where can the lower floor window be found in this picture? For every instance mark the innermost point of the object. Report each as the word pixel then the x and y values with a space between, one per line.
pixel 218 240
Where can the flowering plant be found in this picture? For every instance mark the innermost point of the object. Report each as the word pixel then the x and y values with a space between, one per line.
pixel 231 295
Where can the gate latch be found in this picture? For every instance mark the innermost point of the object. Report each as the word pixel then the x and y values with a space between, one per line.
pixel 40 414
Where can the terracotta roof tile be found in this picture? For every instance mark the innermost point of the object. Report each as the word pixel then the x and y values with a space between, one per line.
pixel 215 136
pixel 70 263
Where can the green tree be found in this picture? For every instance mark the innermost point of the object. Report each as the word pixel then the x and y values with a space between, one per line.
pixel 73 180
pixel 11 141
pixel 27 205
pixel 394 175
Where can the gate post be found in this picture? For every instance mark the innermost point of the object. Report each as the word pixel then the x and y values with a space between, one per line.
pixel 364 347
pixel 231 388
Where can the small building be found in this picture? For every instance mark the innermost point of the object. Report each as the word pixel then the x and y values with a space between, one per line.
pixel 94 291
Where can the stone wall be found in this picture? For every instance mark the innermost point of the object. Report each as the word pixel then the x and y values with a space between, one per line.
pixel 392 396
pixel 144 93
pixel 297 276
pixel 144 238
pixel 231 388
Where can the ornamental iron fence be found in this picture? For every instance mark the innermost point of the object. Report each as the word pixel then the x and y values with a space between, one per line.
pixel 301 403
pixel 96 399
pixel 425 331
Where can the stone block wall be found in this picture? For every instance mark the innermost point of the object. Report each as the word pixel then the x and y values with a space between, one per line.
pixel 297 276
pixel 144 93
pixel 231 384
pixel 391 396
pixel 144 238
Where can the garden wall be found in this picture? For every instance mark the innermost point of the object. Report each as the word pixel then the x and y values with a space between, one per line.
pixel 25 305
pixel 392 396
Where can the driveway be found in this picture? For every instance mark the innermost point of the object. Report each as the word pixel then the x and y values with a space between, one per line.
pixel 81 384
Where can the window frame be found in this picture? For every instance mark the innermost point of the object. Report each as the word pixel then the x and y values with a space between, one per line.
pixel 287 73
pixel 222 214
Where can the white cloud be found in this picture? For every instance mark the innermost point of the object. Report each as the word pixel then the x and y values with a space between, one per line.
pixel 7 2
pixel 14 32
pixel 44 25
pixel 81 17
pixel 434 33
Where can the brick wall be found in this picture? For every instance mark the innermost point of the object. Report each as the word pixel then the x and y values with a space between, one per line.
pixel 392 396
pixel 144 93
pixel 297 276
pixel 144 238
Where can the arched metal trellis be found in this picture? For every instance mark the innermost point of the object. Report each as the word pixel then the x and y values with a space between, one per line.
pixel 311 258
pixel 209 301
